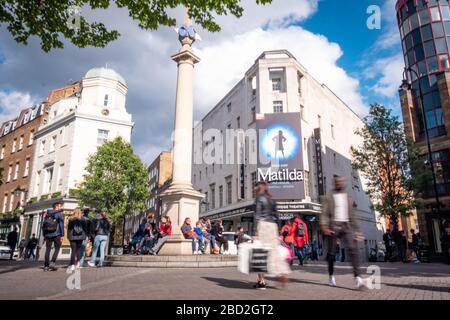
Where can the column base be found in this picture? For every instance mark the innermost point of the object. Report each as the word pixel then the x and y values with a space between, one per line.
pixel 176 246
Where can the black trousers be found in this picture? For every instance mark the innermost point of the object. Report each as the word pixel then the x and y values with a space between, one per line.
pixel 12 249
pixel 76 251
pixel 56 241
pixel 343 232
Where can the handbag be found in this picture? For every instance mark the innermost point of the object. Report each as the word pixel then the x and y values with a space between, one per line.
pixel 252 258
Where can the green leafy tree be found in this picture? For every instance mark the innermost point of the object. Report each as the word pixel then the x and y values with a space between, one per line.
pixel 393 167
pixel 116 180
pixel 49 19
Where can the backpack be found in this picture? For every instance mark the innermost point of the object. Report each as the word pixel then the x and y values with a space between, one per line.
pixel 300 230
pixel 50 223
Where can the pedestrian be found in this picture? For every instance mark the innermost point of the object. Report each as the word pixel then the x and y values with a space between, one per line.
pixel 301 239
pixel 85 242
pixel 12 242
pixel 138 236
pixel 402 245
pixel 22 249
pixel 102 228
pixel 266 231
pixel 338 221
pixel 164 233
pixel 387 239
pixel 202 241
pixel 31 246
pixel 76 233
pixel 212 238
pixel 415 243
pixel 239 236
pixel 315 249
pixel 53 230
pixel 287 234
pixel 217 231
pixel 189 234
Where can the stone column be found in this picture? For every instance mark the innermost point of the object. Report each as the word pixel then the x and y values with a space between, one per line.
pixel 180 200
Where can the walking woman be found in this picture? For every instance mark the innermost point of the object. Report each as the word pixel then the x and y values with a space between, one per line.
pixel 266 231
pixel 77 233
pixel 102 228
pixel 165 231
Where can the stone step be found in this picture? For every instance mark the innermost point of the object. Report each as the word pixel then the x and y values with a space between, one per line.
pixel 145 261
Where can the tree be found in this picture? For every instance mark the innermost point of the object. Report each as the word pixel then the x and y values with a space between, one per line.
pixel 393 167
pixel 116 180
pixel 48 19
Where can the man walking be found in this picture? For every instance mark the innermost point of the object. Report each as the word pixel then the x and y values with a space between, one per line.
pixel 12 241
pixel 338 221
pixel 53 229
pixel 32 244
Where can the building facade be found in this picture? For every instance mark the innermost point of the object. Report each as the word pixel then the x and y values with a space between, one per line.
pixel 278 83
pixel 425 34
pixel 160 176
pixel 16 162
pixel 77 125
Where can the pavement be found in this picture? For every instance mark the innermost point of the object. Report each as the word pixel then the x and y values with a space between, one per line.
pixel 26 280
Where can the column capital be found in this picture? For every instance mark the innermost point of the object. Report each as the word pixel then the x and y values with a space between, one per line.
pixel 186 55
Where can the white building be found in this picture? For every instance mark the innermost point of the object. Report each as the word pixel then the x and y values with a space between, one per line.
pixel 276 83
pixel 76 126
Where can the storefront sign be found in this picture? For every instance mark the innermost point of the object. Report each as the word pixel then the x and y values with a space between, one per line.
pixel 298 207
pixel 280 158
pixel 231 213
pixel 319 169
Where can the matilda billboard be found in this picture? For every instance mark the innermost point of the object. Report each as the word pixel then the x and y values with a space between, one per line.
pixel 280 158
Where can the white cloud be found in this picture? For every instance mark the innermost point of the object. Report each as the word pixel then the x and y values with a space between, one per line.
pixel 225 63
pixel 12 102
pixel 390 71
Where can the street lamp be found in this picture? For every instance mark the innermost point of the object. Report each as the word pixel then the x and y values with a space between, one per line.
pixel 407 85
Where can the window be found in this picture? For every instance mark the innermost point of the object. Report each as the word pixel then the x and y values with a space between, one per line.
pixel 30 140
pixel 9 173
pixel 14 146
pixel 11 202
pixel 102 136
pixel 16 171
pixel 319 121
pixel 299 80
pixel 254 180
pixel 53 144
pixel 278 107
pixel 426 33
pixel 229 190
pixel 435 15
pixel 441 162
pixel 213 196
pixel 48 180
pixel 443 59
pixel 414 21
pixel 307 188
pixel 253 113
pixel 5 201
pixel 220 196
pixel 332 131
pixel 2 153
pixel 238 121
pixel 200 175
pixel 441 45
pixel 206 200
pixel 37 183
pixel 429 48
pixel 27 168
pixel 21 142
pixel 424 17
pixel 445 12
pixel 438 30
pixel 229 107
pixel 105 101
pixel 276 84
pixel 302 112
pixel 432 65
pixel 60 175
pixel 42 148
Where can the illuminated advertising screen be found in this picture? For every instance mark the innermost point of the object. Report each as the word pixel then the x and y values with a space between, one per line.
pixel 280 157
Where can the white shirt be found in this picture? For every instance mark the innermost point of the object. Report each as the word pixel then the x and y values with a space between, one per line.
pixel 341 207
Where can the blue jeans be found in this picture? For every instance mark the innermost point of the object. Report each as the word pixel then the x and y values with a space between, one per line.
pixel 213 243
pixel 99 244
pixel 147 243
pixel 194 243
pixel 299 252
pixel 83 252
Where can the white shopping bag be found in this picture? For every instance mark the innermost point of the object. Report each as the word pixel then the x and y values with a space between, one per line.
pixel 252 258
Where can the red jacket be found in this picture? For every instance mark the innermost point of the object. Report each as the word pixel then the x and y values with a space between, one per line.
pixel 164 228
pixel 300 241
pixel 290 236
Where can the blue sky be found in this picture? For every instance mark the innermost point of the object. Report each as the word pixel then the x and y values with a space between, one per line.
pixel 329 37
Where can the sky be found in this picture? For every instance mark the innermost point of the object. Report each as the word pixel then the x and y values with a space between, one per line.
pixel 328 37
